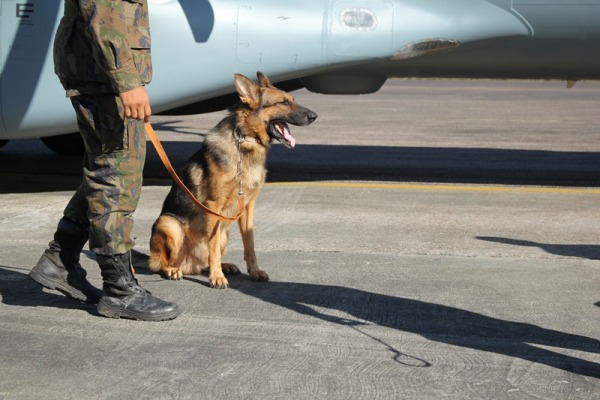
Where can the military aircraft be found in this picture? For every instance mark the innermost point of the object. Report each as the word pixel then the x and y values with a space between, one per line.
pixel 327 46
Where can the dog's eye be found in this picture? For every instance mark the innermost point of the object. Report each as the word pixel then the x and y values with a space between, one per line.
pixel 285 102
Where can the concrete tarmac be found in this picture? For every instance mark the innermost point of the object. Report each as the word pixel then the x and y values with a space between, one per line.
pixel 436 240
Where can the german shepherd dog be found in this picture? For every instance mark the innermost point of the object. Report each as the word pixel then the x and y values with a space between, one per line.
pixel 185 239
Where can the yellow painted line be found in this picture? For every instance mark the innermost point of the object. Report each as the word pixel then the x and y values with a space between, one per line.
pixel 464 188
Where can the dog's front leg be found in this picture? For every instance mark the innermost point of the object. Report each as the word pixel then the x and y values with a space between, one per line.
pixel 246 224
pixel 216 279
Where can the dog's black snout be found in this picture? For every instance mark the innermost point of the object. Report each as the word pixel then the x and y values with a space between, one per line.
pixel 311 117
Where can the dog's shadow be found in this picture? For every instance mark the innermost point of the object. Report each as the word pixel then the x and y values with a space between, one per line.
pixel 18 289
pixel 435 322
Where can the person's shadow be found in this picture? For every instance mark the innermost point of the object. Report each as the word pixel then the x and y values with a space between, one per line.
pixel 435 322
pixel 18 289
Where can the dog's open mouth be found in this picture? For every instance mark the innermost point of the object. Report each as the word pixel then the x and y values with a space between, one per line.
pixel 281 131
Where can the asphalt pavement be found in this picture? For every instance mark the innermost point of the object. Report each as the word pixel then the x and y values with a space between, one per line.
pixel 436 240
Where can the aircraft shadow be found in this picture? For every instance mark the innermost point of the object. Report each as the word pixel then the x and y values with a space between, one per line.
pixel 590 251
pixel 432 164
pixel 27 167
pixel 435 322
pixel 201 18
pixel 420 164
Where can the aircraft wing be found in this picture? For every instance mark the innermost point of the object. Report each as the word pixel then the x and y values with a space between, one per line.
pixel 560 41
pixel 198 45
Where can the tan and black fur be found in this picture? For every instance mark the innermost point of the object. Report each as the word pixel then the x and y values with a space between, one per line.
pixel 185 239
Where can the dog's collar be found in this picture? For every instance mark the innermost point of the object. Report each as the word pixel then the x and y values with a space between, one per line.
pixel 238 137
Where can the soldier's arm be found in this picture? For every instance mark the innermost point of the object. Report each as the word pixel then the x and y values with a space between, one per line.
pixel 107 22
pixel 136 104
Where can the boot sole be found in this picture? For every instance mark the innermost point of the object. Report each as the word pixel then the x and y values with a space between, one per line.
pixel 52 284
pixel 118 312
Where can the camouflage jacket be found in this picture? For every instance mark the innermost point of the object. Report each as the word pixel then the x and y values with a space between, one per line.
pixel 103 46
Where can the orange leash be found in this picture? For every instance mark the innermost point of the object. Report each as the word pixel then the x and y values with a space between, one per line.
pixel 165 160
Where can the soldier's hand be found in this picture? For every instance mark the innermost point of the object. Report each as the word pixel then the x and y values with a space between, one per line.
pixel 136 104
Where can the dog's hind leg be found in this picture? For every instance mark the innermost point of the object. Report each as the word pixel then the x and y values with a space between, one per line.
pixel 167 240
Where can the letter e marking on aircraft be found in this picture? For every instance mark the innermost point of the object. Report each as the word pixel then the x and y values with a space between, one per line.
pixel 24 11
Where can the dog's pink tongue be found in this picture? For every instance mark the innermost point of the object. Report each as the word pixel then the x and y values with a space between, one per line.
pixel 286 134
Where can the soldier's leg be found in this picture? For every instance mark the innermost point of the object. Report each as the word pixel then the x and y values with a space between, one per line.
pixel 113 166
pixel 58 268
pixel 113 182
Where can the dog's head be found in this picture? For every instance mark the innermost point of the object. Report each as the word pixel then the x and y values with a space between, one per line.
pixel 268 110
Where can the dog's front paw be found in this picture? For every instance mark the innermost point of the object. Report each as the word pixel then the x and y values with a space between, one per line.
pixel 219 282
pixel 259 275
pixel 172 273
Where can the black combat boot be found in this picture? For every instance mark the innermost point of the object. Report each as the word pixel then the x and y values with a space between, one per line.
pixel 125 298
pixel 59 269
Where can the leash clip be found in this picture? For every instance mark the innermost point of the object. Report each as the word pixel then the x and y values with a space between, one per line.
pixel 239 176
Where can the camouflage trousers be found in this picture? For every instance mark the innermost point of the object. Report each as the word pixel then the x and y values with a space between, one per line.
pixel 115 152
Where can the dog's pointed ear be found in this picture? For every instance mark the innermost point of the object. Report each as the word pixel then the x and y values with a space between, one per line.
pixel 249 91
pixel 263 80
